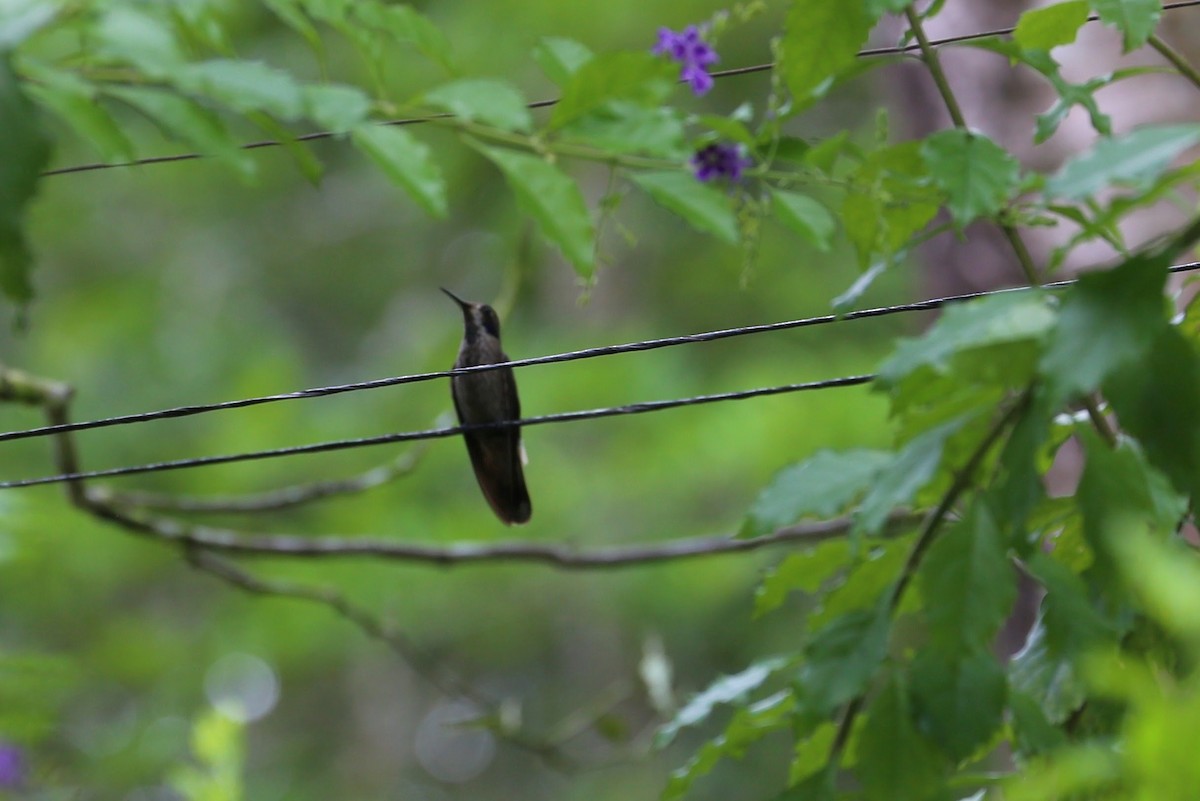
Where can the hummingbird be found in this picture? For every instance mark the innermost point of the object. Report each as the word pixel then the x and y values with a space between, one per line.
pixel 488 397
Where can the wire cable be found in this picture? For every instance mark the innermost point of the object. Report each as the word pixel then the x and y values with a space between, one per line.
pixel 587 353
pixel 436 433
pixel 735 71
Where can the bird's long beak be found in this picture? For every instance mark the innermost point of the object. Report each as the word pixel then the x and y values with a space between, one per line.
pixel 462 303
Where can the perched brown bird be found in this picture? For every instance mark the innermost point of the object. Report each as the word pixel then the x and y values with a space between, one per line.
pixel 488 397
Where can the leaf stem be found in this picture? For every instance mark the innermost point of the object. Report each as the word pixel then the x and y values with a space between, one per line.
pixel 1177 61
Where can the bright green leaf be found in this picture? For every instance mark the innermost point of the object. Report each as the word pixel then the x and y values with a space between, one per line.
pixel 1135 19
pixel 244 86
pixel 639 78
pixel 959 697
pixel 805 216
pixel 820 40
pixel 895 761
pixel 821 486
pixel 977 175
pixel 1134 158
pixel 335 108
pixel 553 200
pixel 407 161
pixel 1107 320
pixel 1051 26
pixel 707 209
pixel 559 58
pixel 486 100
pixel 725 690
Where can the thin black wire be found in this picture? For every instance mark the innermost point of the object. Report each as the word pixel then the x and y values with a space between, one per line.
pixel 320 135
pixel 436 433
pixel 587 353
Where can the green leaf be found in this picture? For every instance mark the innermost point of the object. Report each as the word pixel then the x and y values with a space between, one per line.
pixel 486 100
pixel 403 23
pixel 994 320
pixel 891 200
pixel 707 209
pixel 841 659
pixel 290 13
pixel 190 122
pixel 553 200
pixel 725 690
pixel 867 579
pixel 74 101
pixel 960 698
pixel 1107 320
pixel 1033 733
pixel 560 58
pixel 244 86
pixel 820 40
pixel 899 482
pixel 1049 27
pixel 334 107
pixel 407 161
pixel 1157 399
pixel 968 584
pixel 22 19
pixel 1072 625
pixel 821 486
pixel 625 127
pixel 805 216
pixel 805 571
pixel 1135 19
pixel 1047 678
pixel 978 176
pixel 1136 158
pixel 130 36
pixel 639 78
pixel 895 761
pixel 308 164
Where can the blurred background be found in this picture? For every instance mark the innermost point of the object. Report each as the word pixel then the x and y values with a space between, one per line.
pixel 177 284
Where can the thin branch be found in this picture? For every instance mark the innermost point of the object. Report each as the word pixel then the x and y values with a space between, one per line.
pixel 1177 61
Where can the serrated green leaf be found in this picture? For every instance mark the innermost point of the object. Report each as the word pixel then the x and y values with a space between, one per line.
pixel 841 659
pixel 1135 19
pixel 492 102
pixel 130 36
pixel 1134 158
pixel 1157 399
pixel 960 698
pixel 898 483
pixel 624 127
pixel 407 161
pixel 334 107
pixel 1107 320
pixel 821 486
pixel 820 40
pixel 978 176
pixel 639 78
pixel 244 86
pixel 725 690
pixel 705 208
pixel 968 584
pixel 894 761
pixel 185 120
pixel 805 216
pixel 74 101
pixel 560 58
pixel 553 200
pixel 1049 27
pixel 805 571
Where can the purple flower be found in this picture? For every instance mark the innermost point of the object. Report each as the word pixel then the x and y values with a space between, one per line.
pixel 719 161
pixel 12 767
pixel 693 54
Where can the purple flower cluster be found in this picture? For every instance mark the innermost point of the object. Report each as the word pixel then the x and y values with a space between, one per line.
pixel 690 50
pixel 12 767
pixel 719 160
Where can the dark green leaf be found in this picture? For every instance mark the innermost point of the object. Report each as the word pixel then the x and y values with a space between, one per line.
pixel 639 78
pixel 553 200
pixel 1051 26
pixel 486 100
pixel 867 578
pixel 707 209
pixel 805 571
pixel 841 659
pixel 968 584
pixel 820 40
pixel 244 86
pixel 959 697
pixel 1033 732
pixel 1135 158
pixel 74 101
pixel 1107 320
pixel 335 108
pixel 559 58
pixel 821 486
pixel 1135 19
pixel 1072 625
pixel 895 761
pixel 978 176
pixel 805 216
pixel 725 690
pixel 187 121
pixel 407 161
pixel 1157 399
